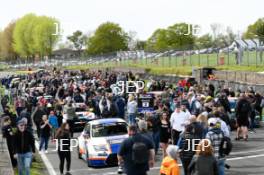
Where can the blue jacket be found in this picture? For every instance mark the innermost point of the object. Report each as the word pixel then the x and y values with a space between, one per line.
pixel 53 121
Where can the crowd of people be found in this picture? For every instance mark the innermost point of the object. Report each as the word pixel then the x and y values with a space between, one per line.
pixel 188 122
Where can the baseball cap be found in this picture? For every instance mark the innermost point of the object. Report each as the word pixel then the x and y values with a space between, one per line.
pixel 22 121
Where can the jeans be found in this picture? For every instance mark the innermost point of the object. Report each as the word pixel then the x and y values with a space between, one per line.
pixel 44 141
pixel 132 119
pixel 221 166
pixel 24 162
pixel 156 139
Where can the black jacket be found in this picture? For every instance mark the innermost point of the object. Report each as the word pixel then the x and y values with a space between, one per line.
pixel 24 142
pixel 186 145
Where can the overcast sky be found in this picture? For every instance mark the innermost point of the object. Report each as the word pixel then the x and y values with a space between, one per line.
pixel 142 16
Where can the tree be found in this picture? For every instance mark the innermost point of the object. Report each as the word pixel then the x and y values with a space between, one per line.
pixel 140 45
pixel 158 41
pixel 44 36
pixel 205 41
pixel 180 36
pixel 132 40
pixel 23 38
pixel 216 29
pixel 177 36
pixel 7 41
pixel 78 39
pixel 230 35
pixel 1 39
pixel 256 30
pixel 34 35
pixel 108 37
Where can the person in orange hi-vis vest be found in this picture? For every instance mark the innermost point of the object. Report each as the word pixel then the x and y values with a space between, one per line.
pixel 169 165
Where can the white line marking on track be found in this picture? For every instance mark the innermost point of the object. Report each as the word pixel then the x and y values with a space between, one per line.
pixel 46 161
pixel 246 157
pixel 231 159
pixel 244 152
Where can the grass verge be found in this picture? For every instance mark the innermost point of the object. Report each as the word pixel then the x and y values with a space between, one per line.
pixel 37 167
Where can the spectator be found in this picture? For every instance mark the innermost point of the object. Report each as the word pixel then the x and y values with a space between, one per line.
pixel 64 143
pixel 8 133
pixel 69 110
pixel 215 135
pixel 131 110
pixel 120 105
pixel 45 128
pixel 154 126
pixel 187 142
pixel 136 152
pixel 165 133
pixel 107 108
pixel 202 120
pixel 53 121
pixel 169 165
pixel 37 117
pixel 26 113
pixel 197 127
pixel 204 162
pixel 24 146
pixel 143 130
pixel 243 110
pixel 178 119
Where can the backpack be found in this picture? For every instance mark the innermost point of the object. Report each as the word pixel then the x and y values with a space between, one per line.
pixel 225 146
pixel 140 152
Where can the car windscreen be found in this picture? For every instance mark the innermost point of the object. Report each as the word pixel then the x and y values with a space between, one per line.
pixel 109 129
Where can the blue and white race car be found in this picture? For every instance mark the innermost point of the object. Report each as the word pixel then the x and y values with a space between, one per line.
pixel 100 140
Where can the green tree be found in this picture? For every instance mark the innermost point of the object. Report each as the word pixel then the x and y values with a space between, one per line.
pixel 180 36
pixel 256 30
pixel 78 39
pixel 7 41
pixel 205 41
pixel 158 41
pixel 23 38
pixel 34 35
pixel 44 36
pixel 108 37
pixel 140 45
pixel 177 36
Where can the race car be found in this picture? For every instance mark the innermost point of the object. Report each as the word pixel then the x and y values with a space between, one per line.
pixel 100 140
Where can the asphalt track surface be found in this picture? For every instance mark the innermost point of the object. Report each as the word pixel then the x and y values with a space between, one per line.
pixel 247 158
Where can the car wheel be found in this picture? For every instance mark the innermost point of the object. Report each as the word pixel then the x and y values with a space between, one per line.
pixel 78 152
pixel 87 159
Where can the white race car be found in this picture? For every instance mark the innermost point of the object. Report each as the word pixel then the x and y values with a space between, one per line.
pixel 100 140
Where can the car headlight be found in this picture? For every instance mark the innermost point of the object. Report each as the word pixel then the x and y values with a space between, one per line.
pixel 99 148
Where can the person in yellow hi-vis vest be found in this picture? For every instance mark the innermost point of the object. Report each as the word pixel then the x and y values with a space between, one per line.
pixel 169 165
